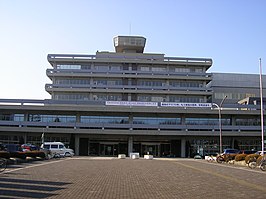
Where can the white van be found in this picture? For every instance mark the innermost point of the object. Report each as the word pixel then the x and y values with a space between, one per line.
pixel 58 148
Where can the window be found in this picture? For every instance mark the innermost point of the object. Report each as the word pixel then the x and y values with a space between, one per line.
pixel 68 66
pixel 158 69
pixel 144 68
pixel 182 70
pixel 52 118
pixel 104 119
pixel 54 146
pixel 115 68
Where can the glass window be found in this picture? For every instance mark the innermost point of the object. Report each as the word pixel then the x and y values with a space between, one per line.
pixel 182 70
pixel 54 146
pixel 201 121
pixel 144 68
pixel 68 66
pixel 206 121
pixel 115 68
pixel 104 119
pixel 12 117
pixel 19 117
pixel 52 118
pixel 158 69
pixel 156 121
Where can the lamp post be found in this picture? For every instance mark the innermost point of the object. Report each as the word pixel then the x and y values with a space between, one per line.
pixel 261 113
pixel 220 121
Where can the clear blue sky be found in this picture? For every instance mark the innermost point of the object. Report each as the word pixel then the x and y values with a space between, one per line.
pixel 232 33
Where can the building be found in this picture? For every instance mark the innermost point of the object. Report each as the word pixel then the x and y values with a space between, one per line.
pixel 235 86
pixel 130 101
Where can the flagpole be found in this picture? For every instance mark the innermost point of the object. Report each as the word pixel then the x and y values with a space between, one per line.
pixel 261 112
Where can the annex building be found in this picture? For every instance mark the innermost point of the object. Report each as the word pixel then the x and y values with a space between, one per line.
pixel 130 101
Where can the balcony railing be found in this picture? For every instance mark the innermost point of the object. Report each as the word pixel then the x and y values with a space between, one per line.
pixel 126 87
pixel 89 72
pixel 130 127
pixel 147 57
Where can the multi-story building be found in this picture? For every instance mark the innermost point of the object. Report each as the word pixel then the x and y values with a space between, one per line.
pixel 235 86
pixel 131 101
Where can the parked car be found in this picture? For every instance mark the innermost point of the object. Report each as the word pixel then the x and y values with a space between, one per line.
pixel 3 152
pixel 29 147
pixel 15 151
pixel 58 148
pixel 247 152
pixel 231 151
pixel 227 155
pixel 260 152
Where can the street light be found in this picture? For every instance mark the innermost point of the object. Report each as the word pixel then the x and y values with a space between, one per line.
pixel 220 121
pixel 261 112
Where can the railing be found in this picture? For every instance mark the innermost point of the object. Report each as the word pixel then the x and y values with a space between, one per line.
pixel 33 102
pixel 209 128
pixel 51 72
pixel 127 87
pixel 206 61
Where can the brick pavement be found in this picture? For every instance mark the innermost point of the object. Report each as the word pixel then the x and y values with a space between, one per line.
pixel 126 178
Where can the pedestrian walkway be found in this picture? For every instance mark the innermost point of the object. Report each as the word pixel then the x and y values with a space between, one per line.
pixel 112 178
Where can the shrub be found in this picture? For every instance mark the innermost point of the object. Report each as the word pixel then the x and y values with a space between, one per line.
pixel 251 157
pixel 260 158
pixel 240 157
pixel 228 157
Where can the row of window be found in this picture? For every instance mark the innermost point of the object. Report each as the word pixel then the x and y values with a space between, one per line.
pixel 236 96
pixel 146 68
pixel 125 120
pixel 112 82
pixel 119 97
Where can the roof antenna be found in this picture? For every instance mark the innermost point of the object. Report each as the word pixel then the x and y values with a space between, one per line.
pixel 130 28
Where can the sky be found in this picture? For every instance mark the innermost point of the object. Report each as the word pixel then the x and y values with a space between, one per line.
pixel 232 33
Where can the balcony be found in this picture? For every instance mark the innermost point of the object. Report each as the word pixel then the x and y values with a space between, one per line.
pixel 139 128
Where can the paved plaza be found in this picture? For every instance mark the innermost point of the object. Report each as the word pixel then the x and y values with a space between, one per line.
pixel 85 177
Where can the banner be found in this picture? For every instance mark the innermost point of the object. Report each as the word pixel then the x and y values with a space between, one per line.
pixel 191 105
pixel 130 103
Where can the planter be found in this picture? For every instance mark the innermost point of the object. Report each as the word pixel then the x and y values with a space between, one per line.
pixel 148 157
pixel 121 156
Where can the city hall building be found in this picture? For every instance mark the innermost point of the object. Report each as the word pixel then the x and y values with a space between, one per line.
pixel 128 101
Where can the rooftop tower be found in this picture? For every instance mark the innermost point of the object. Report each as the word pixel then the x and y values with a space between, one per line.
pixel 129 44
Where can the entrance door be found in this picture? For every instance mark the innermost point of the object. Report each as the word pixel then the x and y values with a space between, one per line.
pixel 83 146
pixel 150 148
pixel 109 150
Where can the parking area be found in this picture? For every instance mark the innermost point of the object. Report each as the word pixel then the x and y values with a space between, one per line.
pixel 87 177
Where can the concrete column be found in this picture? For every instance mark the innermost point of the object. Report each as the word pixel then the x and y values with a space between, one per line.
pixel 183 148
pixel 78 118
pixel 25 138
pixel 233 120
pixel 76 144
pixel 130 145
pixel 183 122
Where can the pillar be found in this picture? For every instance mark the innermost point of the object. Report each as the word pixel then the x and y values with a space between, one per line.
pixel 183 148
pixel 130 145
pixel 76 144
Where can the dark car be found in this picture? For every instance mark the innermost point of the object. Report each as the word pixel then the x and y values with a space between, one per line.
pixel 247 152
pixel 15 151
pixel 227 155
pixel 231 151
pixel 3 152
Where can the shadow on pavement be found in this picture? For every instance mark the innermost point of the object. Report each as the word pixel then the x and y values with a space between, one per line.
pixel 13 187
